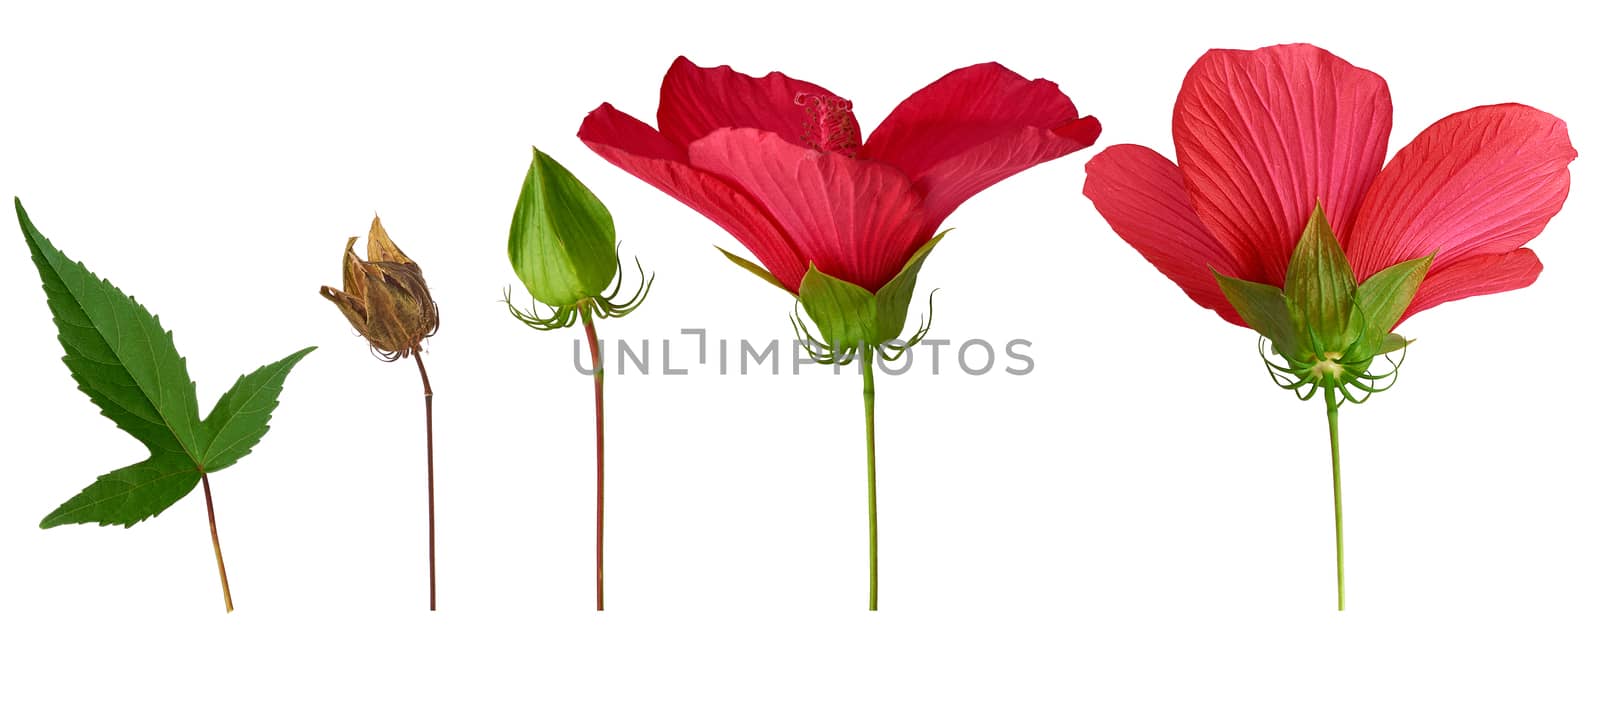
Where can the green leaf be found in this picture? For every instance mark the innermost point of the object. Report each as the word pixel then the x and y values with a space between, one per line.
pixel 846 314
pixel 754 268
pixel 895 297
pixel 1320 287
pixel 1265 310
pixel 563 244
pixel 117 352
pixel 126 363
pixel 1381 300
pixel 239 419
pixel 131 494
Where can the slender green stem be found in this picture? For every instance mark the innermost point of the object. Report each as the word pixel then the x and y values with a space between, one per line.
pixel 1338 505
pixel 216 545
pixel 867 395
pixel 599 459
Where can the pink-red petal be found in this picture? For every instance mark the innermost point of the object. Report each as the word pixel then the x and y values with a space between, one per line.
pixel 1263 136
pixel 696 101
pixel 857 220
pixel 1476 276
pixel 638 149
pixel 951 182
pixel 1481 181
pixel 965 108
pixel 973 128
pixel 1140 194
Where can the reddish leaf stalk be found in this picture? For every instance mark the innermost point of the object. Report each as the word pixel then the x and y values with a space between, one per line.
pixel 427 402
pixel 216 545
pixel 599 459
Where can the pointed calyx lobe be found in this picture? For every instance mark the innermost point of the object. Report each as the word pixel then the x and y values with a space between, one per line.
pixel 850 317
pixel 126 363
pixel 1325 325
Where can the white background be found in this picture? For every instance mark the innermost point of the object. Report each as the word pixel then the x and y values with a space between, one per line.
pixel 1143 518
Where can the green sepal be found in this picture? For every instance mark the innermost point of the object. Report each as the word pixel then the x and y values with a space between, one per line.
pixel 1265 310
pixel 563 242
pixel 1320 286
pixel 1393 342
pixel 1380 301
pixel 754 268
pixel 848 315
pixel 894 299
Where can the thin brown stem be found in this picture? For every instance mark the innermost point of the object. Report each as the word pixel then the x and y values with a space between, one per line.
pixel 216 545
pixel 427 402
pixel 599 460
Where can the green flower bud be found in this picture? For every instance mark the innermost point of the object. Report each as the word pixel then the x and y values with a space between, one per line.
pixel 563 245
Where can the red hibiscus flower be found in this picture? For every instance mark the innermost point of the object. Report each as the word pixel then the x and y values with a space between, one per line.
pixel 1263 136
pixel 1281 216
pixel 780 164
pixel 840 223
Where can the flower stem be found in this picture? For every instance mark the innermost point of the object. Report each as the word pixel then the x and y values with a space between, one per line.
pixel 216 545
pixel 599 459
pixel 1338 506
pixel 868 394
pixel 427 402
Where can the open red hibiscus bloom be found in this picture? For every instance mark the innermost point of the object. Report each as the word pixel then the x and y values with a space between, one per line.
pixel 780 164
pixel 840 223
pixel 1263 136
pixel 1280 215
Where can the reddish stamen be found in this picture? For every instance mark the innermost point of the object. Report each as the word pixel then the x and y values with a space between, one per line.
pixel 829 125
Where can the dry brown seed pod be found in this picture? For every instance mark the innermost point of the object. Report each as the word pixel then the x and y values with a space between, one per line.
pixel 385 297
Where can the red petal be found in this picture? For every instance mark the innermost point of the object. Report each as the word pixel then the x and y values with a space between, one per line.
pixel 1481 181
pixel 973 128
pixel 1140 194
pixel 1263 135
pixel 643 152
pixel 1476 276
pixel 856 220
pixel 695 101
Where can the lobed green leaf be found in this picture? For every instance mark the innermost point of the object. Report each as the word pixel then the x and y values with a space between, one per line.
pixel 127 365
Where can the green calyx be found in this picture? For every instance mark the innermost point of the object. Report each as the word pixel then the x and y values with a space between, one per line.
pixel 850 319
pixel 563 247
pixel 1328 329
